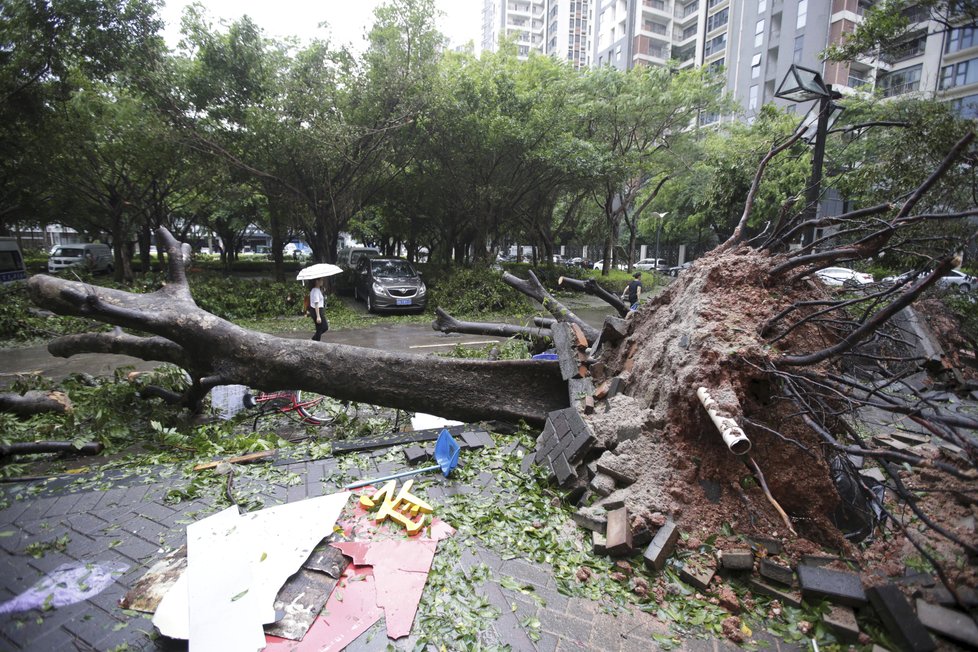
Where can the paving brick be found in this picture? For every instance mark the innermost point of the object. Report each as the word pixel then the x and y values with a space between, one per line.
pixel 524 572
pixel 565 627
pixel 663 543
pixel 948 623
pixel 618 533
pixel 697 572
pixel 899 618
pixel 841 620
pixel 562 469
pixel 599 544
pixel 790 598
pixel 739 559
pixel 776 572
pixel 836 586
pixel 772 546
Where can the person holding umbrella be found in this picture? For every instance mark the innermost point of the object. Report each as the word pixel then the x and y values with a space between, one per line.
pixel 317 308
pixel 317 298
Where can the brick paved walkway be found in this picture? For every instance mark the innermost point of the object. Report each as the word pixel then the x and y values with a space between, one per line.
pixel 132 523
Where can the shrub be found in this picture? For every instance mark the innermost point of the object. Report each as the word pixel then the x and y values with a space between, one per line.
pixel 474 292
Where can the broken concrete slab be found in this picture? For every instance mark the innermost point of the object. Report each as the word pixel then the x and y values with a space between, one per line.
pixel 563 339
pixel 790 598
pixel 738 559
pixel 948 623
pixel 618 533
pixel 943 597
pixel 841 620
pixel 591 518
pixel 613 501
pixel 662 545
pixel 835 586
pixel 772 570
pixel 614 329
pixel 899 618
pixel 606 465
pixel 602 484
pixel 578 388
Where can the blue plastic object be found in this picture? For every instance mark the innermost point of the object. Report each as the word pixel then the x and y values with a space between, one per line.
pixel 446 454
pixel 545 356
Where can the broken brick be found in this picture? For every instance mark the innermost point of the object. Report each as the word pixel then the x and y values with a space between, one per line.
pixel 591 518
pixel 790 598
pixel 416 454
pixel 614 329
pixel 620 476
pixel 588 405
pixel 598 371
pixel 697 572
pixel 599 544
pixel 899 619
pixel 836 586
pixel 739 559
pixel 619 533
pixel 663 543
pixel 841 620
pixel 776 572
pixel 602 484
pixel 948 623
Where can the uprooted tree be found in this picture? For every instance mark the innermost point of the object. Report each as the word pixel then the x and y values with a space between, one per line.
pixel 794 363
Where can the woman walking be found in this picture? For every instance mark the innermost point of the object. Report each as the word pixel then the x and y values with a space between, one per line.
pixel 317 308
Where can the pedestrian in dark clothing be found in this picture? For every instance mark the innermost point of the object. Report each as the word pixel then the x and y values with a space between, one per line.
pixel 633 291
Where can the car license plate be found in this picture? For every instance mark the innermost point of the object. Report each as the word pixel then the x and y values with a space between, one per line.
pixel 404 302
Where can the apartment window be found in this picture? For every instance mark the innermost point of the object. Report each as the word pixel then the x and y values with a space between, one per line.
pixel 654 27
pixel 759 33
pixel 690 9
pixel 710 4
pixel 799 48
pixel 802 14
pixel 961 38
pixel 755 67
pixel 967 107
pixel 618 53
pixel 715 44
pixel 716 66
pixel 752 100
pixel 689 31
pixel 761 6
pixel 659 5
pixel 902 81
pixel 911 47
pixel 959 74
pixel 717 20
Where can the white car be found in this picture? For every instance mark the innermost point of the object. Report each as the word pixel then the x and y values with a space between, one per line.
pixel 646 264
pixel 843 276
pixel 600 265
pixel 955 279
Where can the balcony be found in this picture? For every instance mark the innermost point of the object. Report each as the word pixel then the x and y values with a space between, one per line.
pixel 901 89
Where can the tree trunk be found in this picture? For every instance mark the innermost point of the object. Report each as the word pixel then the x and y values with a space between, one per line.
pixel 217 352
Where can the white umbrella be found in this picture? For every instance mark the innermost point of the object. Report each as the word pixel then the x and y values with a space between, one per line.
pixel 319 270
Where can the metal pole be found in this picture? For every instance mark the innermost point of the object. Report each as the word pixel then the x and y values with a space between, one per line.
pixel 818 157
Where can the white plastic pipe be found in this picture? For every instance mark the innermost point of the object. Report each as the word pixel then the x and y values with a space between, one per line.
pixel 733 435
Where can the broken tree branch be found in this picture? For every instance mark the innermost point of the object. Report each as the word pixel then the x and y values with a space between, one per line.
pixel 592 287
pixel 445 323
pixel 34 402
pixel 534 289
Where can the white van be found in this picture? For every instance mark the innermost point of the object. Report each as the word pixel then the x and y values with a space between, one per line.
pixel 95 256
pixel 11 261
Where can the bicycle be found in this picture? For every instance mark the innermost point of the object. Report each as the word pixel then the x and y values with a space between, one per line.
pixel 311 409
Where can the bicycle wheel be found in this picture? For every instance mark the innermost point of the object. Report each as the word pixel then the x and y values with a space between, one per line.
pixel 317 410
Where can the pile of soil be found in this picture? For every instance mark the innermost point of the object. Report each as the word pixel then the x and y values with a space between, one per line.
pixel 704 331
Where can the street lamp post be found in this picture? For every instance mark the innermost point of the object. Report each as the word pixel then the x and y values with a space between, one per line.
pixel 802 85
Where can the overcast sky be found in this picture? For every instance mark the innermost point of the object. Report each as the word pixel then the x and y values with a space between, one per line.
pixel 348 19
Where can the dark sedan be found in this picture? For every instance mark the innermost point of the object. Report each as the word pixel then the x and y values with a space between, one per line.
pixel 389 284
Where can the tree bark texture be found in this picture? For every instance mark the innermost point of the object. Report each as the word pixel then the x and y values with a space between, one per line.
pixel 34 402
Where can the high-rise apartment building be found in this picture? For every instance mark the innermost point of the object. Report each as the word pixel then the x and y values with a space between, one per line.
pixel 562 29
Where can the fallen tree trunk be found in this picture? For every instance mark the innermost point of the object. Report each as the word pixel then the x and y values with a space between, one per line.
pixel 217 352
pixel 34 402
pixel 534 289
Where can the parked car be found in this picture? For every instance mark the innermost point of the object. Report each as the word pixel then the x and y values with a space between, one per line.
pixel 95 256
pixel 647 264
pixel 679 269
pixel 600 265
pixel 12 266
pixel 955 279
pixel 843 276
pixel 389 284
